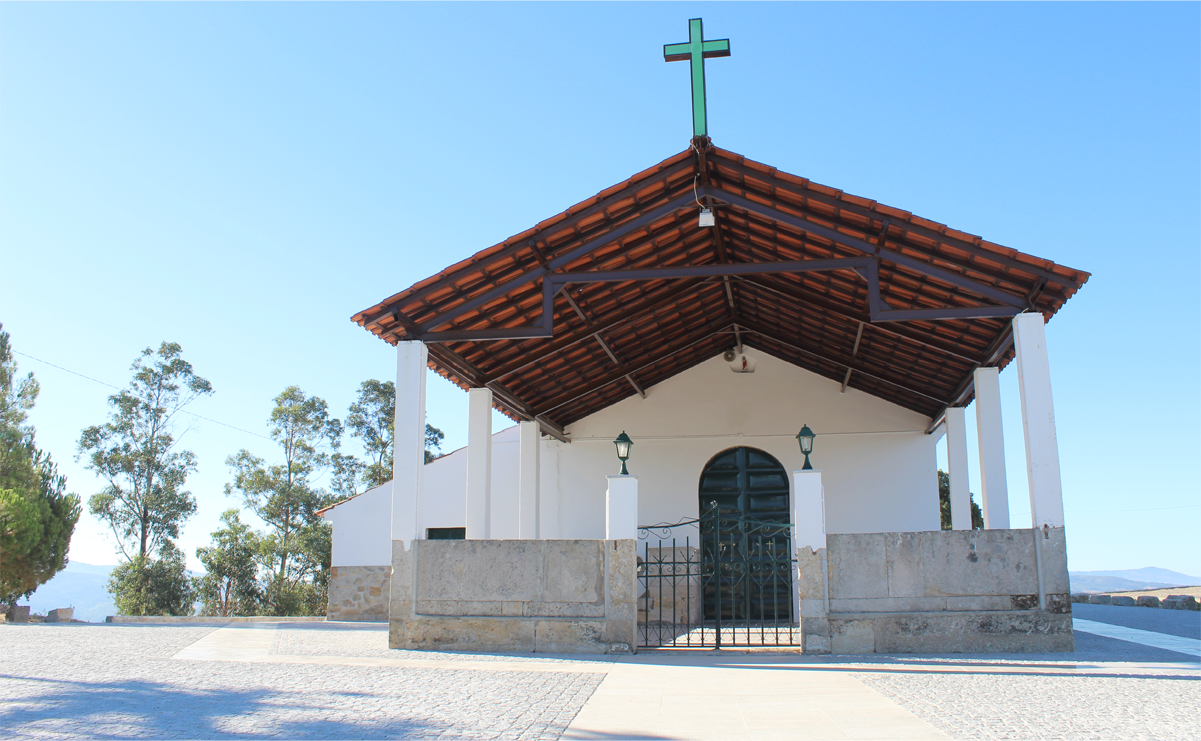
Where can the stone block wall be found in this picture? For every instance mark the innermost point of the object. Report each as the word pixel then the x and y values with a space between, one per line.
pixel 939 591
pixel 513 595
pixel 358 593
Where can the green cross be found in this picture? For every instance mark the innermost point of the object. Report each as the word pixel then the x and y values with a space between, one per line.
pixel 697 50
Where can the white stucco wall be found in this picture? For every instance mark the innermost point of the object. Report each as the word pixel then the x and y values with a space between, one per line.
pixel 878 467
pixel 362 529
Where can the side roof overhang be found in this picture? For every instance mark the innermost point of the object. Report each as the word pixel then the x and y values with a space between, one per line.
pixel 625 290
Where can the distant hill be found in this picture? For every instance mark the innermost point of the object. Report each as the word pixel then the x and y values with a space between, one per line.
pixel 1125 580
pixel 80 585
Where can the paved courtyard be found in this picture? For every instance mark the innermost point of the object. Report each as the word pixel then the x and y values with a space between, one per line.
pixel 330 680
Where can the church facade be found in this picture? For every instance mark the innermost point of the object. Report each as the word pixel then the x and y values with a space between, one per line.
pixel 711 340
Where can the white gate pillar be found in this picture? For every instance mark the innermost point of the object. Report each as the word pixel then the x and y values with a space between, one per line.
pixel 961 497
pixel 994 488
pixel 621 508
pixel 408 444
pixel 809 537
pixel 529 440
pixel 479 464
pixel 1038 421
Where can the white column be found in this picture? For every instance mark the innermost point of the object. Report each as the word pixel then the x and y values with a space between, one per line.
pixel 808 530
pixel 621 508
pixel 529 441
pixel 994 489
pixel 961 497
pixel 1038 420
pixel 808 510
pixel 408 451
pixel 479 464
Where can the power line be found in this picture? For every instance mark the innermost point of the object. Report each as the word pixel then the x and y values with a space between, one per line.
pixel 102 383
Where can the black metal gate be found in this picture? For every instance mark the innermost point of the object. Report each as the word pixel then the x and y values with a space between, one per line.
pixel 724 579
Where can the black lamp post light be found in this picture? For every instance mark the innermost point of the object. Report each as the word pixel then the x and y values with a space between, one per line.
pixel 623 443
pixel 805 438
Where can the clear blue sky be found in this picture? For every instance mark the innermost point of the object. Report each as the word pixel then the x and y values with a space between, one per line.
pixel 241 178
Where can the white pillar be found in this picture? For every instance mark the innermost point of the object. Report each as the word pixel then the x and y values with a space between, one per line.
pixel 808 529
pixel 529 441
pixel 961 497
pixel 808 510
pixel 994 489
pixel 621 508
pixel 479 464
pixel 1038 420
pixel 408 446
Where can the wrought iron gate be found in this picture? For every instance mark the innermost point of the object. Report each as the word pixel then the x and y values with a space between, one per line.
pixel 721 580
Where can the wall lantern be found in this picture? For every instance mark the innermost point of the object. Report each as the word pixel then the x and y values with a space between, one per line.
pixel 623 443
pixel 805 438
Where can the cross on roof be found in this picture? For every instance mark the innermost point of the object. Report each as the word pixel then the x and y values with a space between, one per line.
pixel 697 50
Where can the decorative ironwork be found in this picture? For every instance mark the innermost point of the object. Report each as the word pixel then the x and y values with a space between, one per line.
pixel 722 579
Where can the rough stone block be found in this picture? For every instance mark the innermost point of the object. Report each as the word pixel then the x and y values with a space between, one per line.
pixel 857 566
pixel 854 636
pixel 815 626
pixel 810 583
pixel 1058 604
pixel 18 614
pixel 575 570
pixel 989 604
pixel 1055 561
pixel 813 608
pixel 470 634
pixel 907 555
pixel 61 615
pixel 995 632
pixel 1181 602
pixel 888 604
pixel 571 636
pixel 1148 600
pixel 1081 597
pixel 981 562
pixel 816 644
pixel 1122 600
pixel 623 570
pixel 1100 599
pixel 483 570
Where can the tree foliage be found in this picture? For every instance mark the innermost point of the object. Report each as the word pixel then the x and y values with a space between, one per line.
pixel 153 586
pixel 371 420
pixel 230 586
pixel 944 504
pixel 37 516
pixel 143 501
pixel 285 495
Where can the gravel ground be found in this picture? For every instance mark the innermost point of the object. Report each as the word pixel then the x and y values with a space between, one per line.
pixel 117 681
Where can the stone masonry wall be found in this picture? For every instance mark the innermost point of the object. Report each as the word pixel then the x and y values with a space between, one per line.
pixel 940 591
pixel 514 595
pixel 358 593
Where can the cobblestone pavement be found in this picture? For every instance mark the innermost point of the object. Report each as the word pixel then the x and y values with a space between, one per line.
pixel 1120 691
pixel 118 681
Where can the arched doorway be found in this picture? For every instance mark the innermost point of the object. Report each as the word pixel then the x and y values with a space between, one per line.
pixel 746 538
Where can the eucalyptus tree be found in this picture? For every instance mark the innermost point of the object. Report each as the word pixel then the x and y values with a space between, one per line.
pixel 371 420
pixel 230 585
pixel 37 516
pixel 136 453
pixel 286 496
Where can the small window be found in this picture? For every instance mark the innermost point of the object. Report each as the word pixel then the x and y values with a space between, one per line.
pixel 446 533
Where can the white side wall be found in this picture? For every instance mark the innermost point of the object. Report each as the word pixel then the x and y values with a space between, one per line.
pixel 446 485
pixel 362 529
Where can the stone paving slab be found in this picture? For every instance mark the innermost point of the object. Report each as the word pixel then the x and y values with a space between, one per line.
pixel 1181 623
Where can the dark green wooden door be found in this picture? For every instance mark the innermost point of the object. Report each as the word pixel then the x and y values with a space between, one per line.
pixel 746 540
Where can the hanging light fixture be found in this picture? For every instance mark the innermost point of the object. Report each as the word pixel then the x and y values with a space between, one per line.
pixel 805 438
pixel 623 443
pixel 706 218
